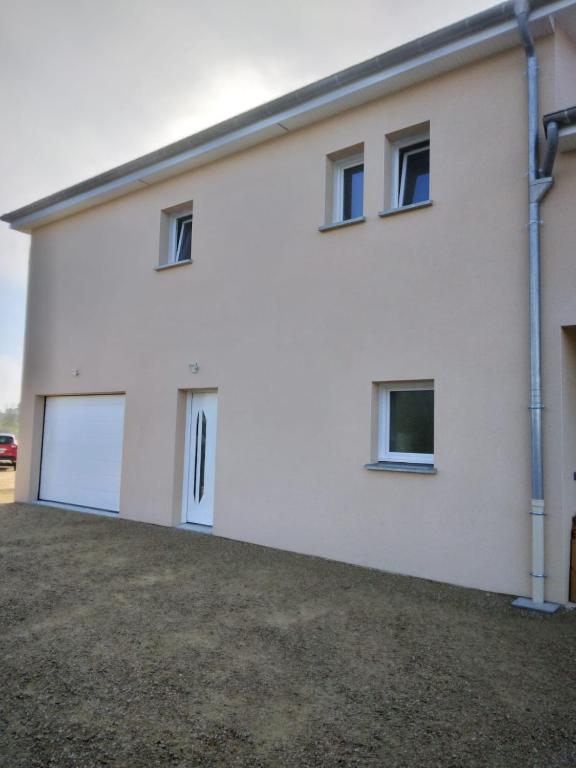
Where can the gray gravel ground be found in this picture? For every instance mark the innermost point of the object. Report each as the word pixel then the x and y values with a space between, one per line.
pixel 135 646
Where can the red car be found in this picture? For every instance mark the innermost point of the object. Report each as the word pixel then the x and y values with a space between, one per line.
pixel 8 449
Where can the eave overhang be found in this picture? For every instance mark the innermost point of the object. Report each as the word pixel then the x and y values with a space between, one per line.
pixel 480 36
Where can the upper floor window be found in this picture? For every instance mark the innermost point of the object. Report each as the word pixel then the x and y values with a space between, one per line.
pixel 413 173
pixel 349 188
pixel 407 169
pixel 181 237
pixel 175 236
pixel 409 157
pixel 345 198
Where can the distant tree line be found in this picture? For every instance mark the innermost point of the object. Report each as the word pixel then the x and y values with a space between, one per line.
pixel 9 420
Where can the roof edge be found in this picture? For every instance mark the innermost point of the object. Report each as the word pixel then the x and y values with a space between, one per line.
pixel 455 32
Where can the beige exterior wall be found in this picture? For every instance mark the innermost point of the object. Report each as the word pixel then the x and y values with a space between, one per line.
pixel 293 326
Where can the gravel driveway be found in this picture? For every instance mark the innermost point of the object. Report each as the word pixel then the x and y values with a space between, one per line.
pixel 136 646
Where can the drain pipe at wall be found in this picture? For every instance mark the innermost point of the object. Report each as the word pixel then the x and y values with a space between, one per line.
pixel 539 184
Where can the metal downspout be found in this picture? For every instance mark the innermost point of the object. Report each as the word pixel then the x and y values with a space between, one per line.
pixel 537 188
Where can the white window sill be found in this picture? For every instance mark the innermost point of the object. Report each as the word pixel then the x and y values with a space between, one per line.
pixel 340 224
pixel 171 264
pixel 405 209
pixel 401 466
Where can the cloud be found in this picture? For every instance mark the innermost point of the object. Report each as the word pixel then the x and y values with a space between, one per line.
pixel 222 95
pixel 10 380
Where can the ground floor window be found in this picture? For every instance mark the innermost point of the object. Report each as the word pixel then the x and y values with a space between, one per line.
pixel 406 422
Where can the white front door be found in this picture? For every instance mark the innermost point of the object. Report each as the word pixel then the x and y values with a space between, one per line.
pixel 200 458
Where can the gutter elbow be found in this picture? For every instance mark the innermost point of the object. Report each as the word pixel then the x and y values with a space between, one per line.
pixel 522 11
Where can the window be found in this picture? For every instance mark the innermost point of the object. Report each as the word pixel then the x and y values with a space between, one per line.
pixel 175 243
pixel 413 175
pixel 181 237
pixel 348 188
pixel 406 422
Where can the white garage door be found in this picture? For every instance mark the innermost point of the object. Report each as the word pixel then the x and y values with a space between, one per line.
pixel 82 451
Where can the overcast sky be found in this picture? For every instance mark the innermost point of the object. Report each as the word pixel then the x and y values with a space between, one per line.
pixel 87 85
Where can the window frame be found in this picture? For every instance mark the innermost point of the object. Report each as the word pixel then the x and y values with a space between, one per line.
pixel 384 452
pixel 401 151
pixel 173 245
pixel 339 166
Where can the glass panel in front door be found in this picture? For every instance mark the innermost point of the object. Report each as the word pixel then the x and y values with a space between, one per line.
pixel 199 475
